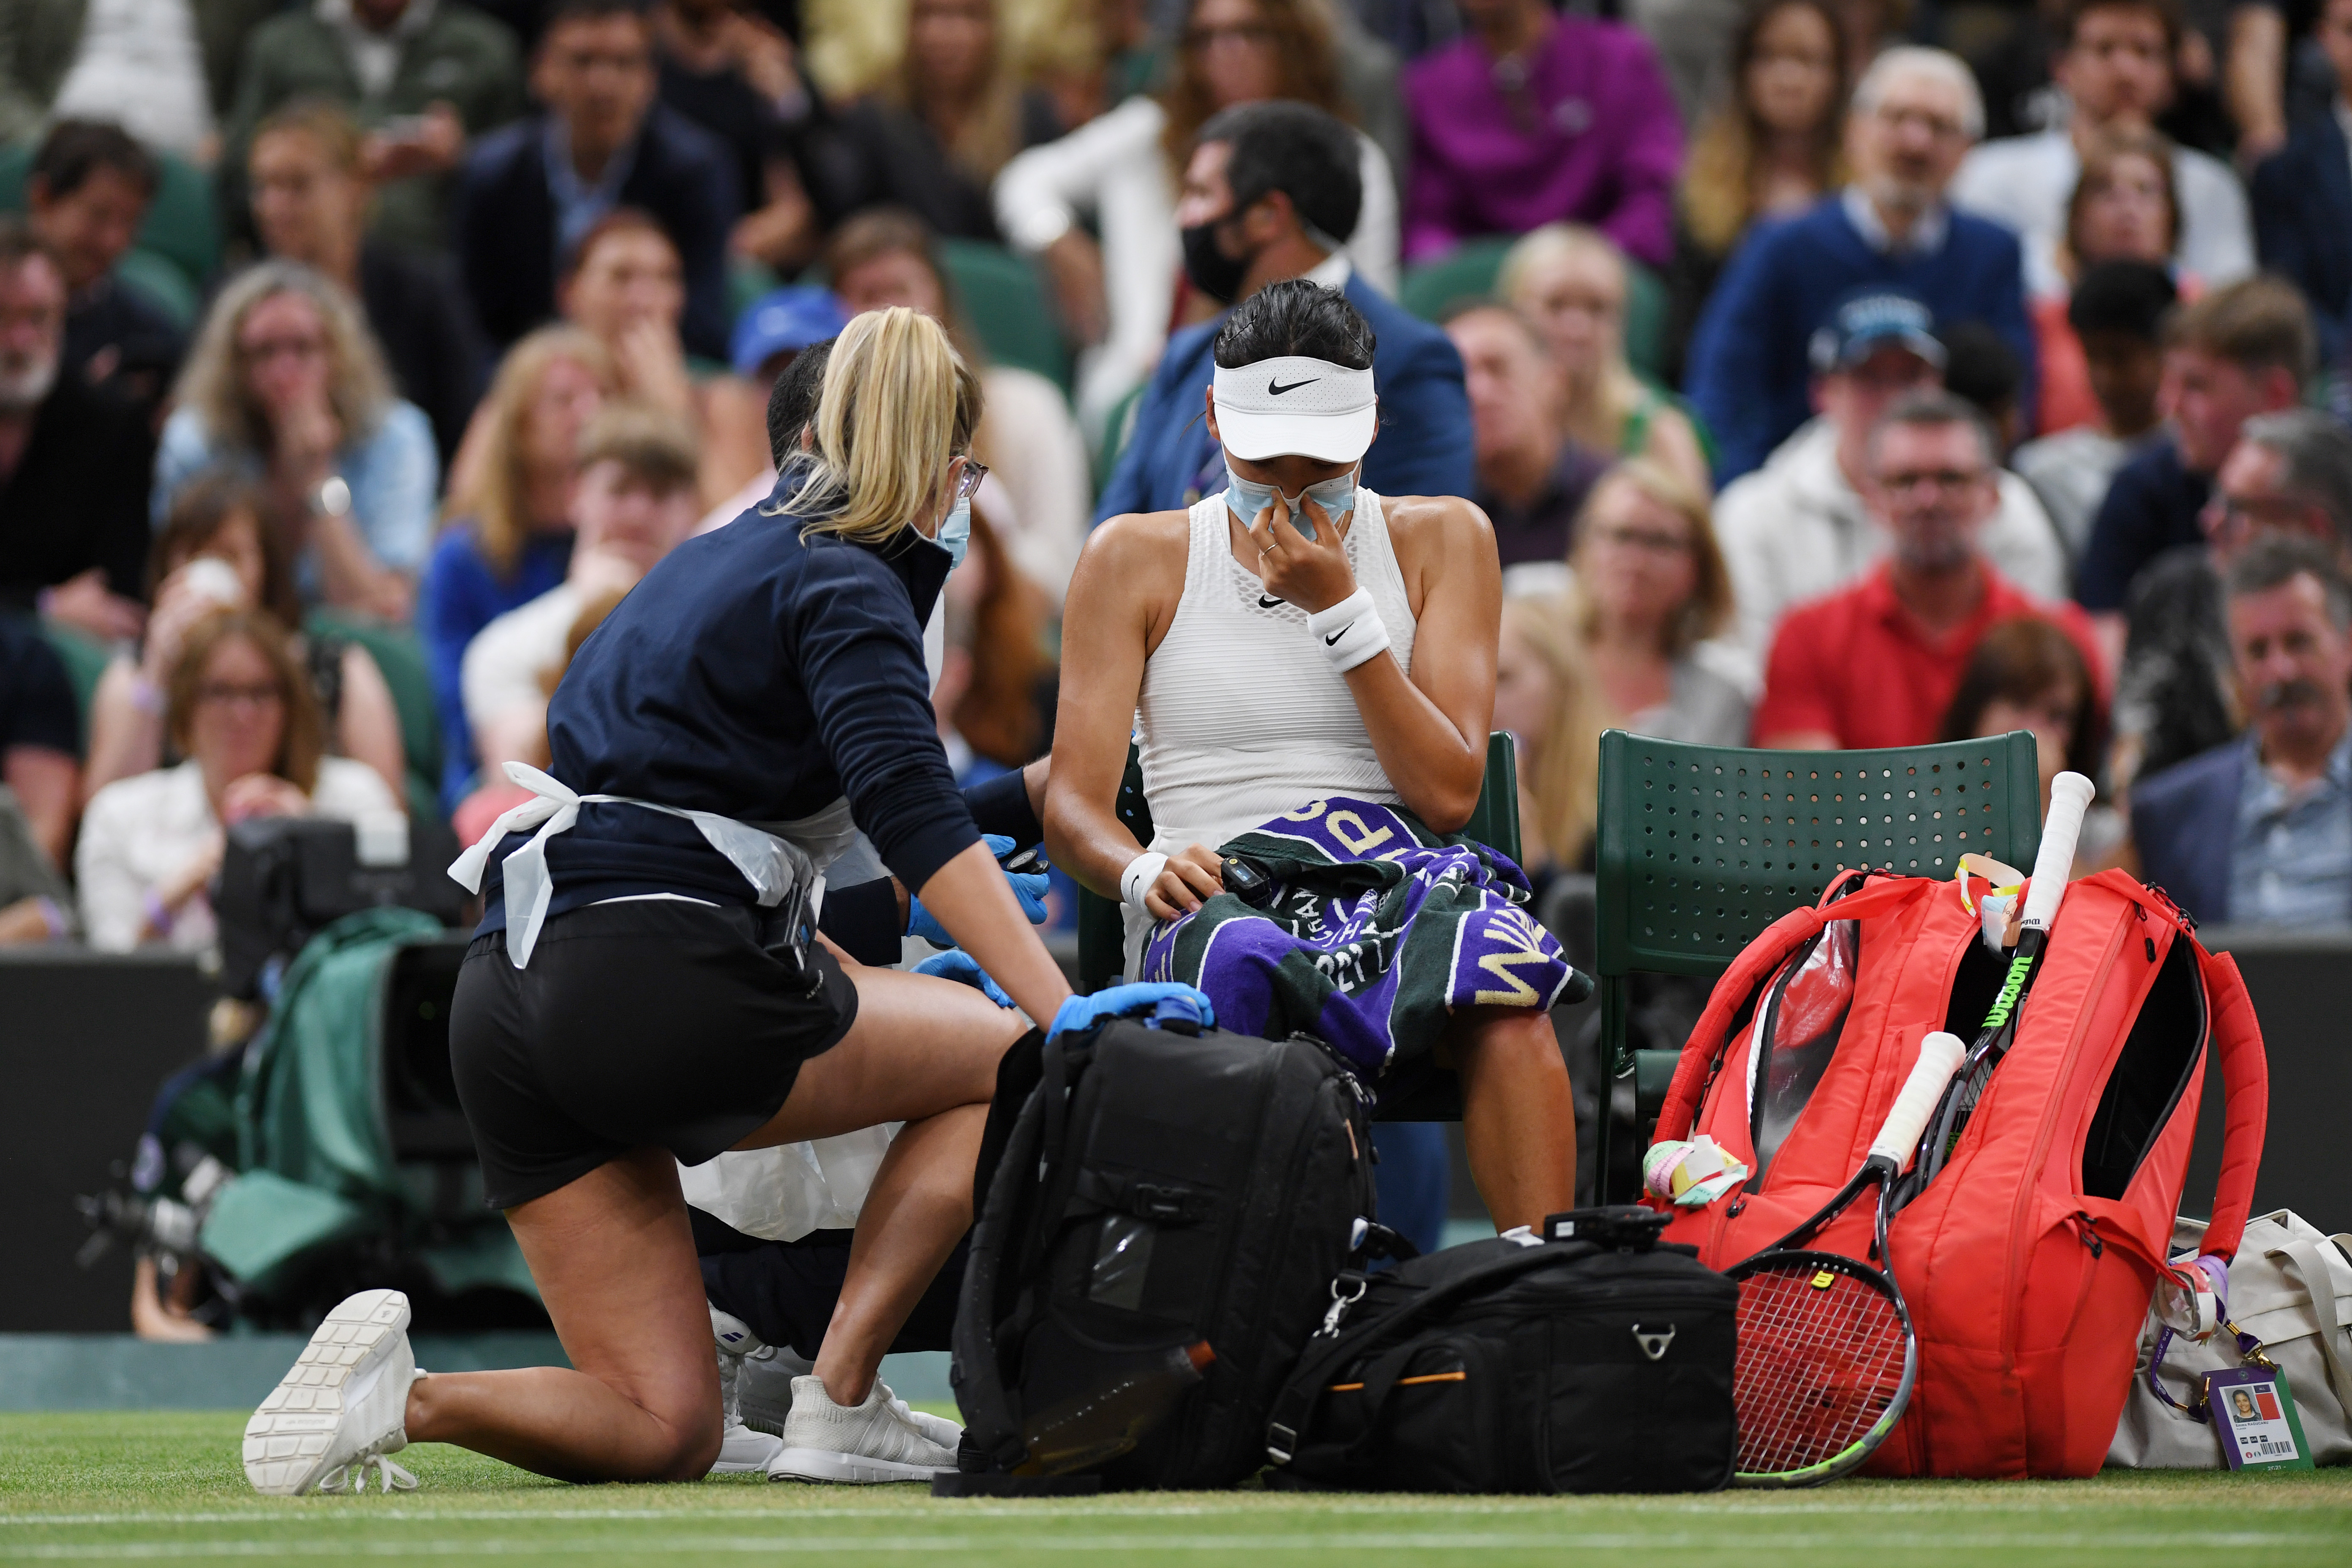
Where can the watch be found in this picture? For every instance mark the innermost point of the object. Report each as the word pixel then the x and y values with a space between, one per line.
pixel 332 498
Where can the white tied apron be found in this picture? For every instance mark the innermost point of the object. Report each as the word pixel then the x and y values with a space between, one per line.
pixel 794 853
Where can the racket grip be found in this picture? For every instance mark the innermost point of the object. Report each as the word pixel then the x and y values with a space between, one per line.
pixel 1939 1059
pixel 2070 797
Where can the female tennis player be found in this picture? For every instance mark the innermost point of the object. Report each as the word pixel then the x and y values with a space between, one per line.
pixel 643 989
pixel 1298 655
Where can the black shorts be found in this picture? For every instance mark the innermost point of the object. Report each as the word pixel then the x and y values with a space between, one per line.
pixel 649 1022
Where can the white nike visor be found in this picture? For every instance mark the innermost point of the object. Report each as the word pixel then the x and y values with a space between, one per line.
pixel 1295 406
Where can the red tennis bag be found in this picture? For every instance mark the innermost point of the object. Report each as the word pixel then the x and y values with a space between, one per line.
pixel 2029 1262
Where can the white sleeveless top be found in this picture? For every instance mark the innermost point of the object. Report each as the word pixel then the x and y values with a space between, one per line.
pixel 1242 717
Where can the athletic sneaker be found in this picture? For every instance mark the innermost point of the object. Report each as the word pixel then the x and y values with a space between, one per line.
pixel 764 1386
pixel 741 1449
pixel 342 1407
pixel 879 1441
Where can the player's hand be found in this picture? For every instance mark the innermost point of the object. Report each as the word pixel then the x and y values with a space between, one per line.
pixel 1312 574
pixel 1191 874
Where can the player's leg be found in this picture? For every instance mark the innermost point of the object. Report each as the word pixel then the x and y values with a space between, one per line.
pixel 1518 1117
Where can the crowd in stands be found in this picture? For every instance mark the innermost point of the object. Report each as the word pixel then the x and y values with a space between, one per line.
pixel 1833 375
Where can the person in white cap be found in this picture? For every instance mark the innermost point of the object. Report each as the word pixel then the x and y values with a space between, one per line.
pixel 1294 638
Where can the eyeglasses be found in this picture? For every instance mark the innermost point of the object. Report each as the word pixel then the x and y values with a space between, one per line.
pixel 1649 541
pixel 264 349
pixel 225 694
pixel 1256 35
pixel 969 486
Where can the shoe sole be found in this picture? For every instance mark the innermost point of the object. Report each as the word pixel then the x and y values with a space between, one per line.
pixel 856 1470
pixel 286 1441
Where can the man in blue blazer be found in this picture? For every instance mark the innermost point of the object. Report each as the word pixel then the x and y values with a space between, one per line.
pixel 1267 186
pixel 2302 199
pixel 1915 112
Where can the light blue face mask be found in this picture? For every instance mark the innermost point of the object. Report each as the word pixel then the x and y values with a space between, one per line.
pixel 955 531
pixel 1245 498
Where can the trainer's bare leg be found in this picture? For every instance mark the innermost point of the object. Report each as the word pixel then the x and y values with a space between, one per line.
pixel 614 1255
pixel 1518 1117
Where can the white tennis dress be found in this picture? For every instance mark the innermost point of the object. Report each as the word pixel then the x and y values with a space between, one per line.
pixel 1241 716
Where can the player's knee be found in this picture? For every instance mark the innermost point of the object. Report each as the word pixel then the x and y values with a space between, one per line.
pixel 691 1447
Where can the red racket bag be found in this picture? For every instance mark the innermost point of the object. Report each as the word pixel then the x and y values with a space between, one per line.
pixel 2029 1262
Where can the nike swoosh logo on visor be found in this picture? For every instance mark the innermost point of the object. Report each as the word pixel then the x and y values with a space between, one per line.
pixel 1333 640
pixel 1266 602
pixel 1277 389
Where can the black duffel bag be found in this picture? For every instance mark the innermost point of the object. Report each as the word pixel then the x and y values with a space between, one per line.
pixel 1509 1365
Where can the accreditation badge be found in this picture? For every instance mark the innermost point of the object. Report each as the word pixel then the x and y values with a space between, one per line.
pixel 2254 1414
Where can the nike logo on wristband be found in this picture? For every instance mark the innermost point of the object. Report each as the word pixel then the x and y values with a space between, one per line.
pixel 1276 389
pixel 1266 602
pixel 1333 640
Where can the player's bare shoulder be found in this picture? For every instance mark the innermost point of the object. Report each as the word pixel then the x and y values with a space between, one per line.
pixel 1136 556
pixel 1433 530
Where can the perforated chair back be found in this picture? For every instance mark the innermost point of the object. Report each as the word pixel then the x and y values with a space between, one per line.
pixel 1701 847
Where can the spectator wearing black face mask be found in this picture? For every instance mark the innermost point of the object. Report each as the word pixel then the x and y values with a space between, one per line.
pixel 1267 187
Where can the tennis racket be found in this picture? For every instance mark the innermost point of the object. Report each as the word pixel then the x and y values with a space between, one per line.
pixel 2069 794
pixel 1826 1352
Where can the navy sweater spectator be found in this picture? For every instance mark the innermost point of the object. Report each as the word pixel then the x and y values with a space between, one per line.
pixel 2303 214
pixel 1914 113
pixel 529 192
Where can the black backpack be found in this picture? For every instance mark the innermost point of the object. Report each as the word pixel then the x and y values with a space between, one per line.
pixel 1153 1248
pixel 1505 1365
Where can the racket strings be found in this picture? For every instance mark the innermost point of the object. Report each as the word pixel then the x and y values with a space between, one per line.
pixel 1820 1361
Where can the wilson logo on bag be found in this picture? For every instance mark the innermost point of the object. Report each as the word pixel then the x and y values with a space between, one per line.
pixel 2029 1261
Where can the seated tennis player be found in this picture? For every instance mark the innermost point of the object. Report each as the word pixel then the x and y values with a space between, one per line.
pixel 1311 670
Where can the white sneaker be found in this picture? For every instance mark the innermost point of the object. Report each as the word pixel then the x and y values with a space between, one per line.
pixel 740 1449
pixel 877 1441
pixel 764 1386
pixel 342 1407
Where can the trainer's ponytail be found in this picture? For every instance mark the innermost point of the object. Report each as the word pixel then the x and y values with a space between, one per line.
pixel 898 403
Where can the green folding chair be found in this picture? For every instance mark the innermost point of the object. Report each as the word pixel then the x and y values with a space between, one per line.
pixel 1701 847
pixel 1005 301
pixel 1494 821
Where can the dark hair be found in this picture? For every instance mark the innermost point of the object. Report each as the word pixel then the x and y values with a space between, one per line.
pixel 2257 323
pixel 1934 408
pixel 1306 70
pixel 1304 153
pixel 1981 366
pixel 2275 560
pixel 2126 297
pixel 200 509
pixel 74 150
pixel 620 220
pixel 793 403
pixel 885 231
pixel 1295 317
pixel 559 12
pixel 2166 12
pixel 2017 661
pixel 652 445
pixel 2318 453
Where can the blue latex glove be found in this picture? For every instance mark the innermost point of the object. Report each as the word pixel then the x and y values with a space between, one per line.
pixel 1029 887
pixel 1125 1000
pixel 957 964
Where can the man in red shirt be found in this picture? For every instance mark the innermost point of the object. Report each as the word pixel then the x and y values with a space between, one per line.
pixel 1876 664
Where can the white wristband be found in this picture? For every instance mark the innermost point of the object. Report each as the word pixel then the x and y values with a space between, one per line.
pixel 1351 631
pixel 1137 879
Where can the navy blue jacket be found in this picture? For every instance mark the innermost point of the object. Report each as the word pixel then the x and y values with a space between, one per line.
pixel 2185 823
pixel 2303 225
pixel 503 223
pixel 1749 371
pixel 1425 443
pixel 2151 507
pixel 762 676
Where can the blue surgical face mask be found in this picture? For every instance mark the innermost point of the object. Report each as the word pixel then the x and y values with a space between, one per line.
pixel 1245 498
pixel 955 531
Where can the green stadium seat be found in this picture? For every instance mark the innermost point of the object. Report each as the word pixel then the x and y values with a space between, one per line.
pixel 1004 300
pixel 1468 271
pixel 401 658
pixel 1701 847
pixel 160 280
pixel 85 658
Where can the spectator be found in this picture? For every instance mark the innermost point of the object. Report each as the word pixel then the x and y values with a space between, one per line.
pixel 217 551
pixel 2115 66
pixel 492 798
pixel 1798 526
pixel 2116 319
pixel 769 337
pixel 425 76
pixel 1038 491
pixel 935 133
pixel 635 501
pixel 1651 596
pixel 1536 117
pixel 240 711
pixel 287 385
pixel 1265 188
pixel 310 198
pixel 1546 699
pixel 1572 282
pixel 1770 151
pixel 1979 370
pixel 511 534
pixel 736 74
pixel 162 69
pixel 2302 199
pixel 2289 473
pixel 2258 831
pixel 1914 112
pixel 40 745
pixel 1123 171
pixel 2238 351
pixel 73 461
pixel 528 193
pixel 1531 478
pixel 995 685
pixel 2123 209
pixel 1877 663
pixel 2026 674
pixel 86 193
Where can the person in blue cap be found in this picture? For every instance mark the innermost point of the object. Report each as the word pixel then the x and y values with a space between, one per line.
pixel 768 338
